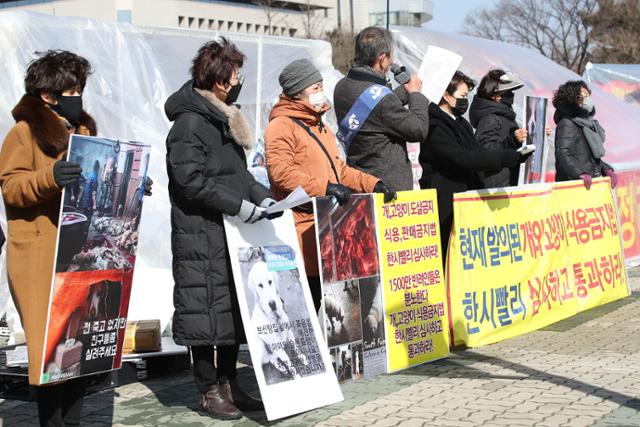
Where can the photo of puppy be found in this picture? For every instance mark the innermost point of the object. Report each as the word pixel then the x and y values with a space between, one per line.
pixel 372 313
pixel 279 318
pixel 334 313
pixel 342 315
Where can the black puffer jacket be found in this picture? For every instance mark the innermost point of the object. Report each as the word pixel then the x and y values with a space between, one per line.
pixel 380 147
pixel 573 154
pixel 451 160
pixel 207 178
pixel 495 125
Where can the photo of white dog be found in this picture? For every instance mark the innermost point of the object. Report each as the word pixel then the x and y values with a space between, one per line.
pixel 277 306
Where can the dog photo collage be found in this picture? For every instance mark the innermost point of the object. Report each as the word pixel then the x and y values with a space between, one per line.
pixel 352 294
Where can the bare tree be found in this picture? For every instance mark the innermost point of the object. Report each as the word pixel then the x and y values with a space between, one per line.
pixel 311 21
pixel 616 31
pixel 343 44
pixel 273 13
pixel 555 28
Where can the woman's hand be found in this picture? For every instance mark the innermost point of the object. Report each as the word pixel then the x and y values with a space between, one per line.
pixel 521 135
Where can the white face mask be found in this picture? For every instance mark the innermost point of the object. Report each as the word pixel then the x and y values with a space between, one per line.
pixel 317 99
pixel 587 104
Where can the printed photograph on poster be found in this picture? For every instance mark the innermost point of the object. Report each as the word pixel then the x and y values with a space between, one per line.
pixel 347 236
pixel 101 212
pixel 357 362
pixel 372 313
pixel 88 318
pixel 343 322
pixel 345 363
pixel 535 113
pixel 278 312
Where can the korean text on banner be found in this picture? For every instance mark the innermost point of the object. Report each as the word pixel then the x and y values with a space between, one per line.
pixel 523 259
pixel 288 351
pixel 414 292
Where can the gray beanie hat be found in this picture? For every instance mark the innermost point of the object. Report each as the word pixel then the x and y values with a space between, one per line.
pixel 297 76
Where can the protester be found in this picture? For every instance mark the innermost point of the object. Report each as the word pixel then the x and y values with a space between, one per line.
pixel 302 151
pixel 208 177
pixel 32 176
pixel 579 137
pixel 379 148
pixel 492 115
pixel 451 158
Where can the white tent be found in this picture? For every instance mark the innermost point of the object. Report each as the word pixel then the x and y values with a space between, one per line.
pixel 620 80
pixel 136 69
pixel 541 77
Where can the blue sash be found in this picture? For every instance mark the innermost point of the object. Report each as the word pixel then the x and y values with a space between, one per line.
pixel 359 113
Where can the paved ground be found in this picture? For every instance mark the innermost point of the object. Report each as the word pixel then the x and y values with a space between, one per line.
pixel 584 371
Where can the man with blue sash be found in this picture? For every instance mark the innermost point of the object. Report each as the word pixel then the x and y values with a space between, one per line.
pixel 376 122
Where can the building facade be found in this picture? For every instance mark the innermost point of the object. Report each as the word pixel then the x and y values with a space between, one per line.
pixel 292 18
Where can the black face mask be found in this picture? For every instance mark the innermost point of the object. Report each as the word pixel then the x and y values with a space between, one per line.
pixel 462 104
pixel 508 98
pixel 234 92
pixel 69 107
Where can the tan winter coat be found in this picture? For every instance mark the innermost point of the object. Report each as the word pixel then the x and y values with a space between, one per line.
pixel 295 159
pixel 32 202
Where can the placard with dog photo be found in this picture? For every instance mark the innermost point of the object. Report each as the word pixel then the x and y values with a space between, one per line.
pixel 352 300
pixel 101 212
pixel 95 257
pixel 287 349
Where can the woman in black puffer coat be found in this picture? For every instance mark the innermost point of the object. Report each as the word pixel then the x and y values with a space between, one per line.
pixel 208 177
pixel 492 115
pixel 451 158
pixel 579 137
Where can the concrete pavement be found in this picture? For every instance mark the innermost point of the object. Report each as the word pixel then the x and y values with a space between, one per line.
pixel 584 371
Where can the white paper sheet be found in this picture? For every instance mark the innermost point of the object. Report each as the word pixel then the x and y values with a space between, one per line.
pixel 436 70
pixel 296 198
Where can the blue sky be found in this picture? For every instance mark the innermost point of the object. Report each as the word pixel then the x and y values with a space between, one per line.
pixel 448 15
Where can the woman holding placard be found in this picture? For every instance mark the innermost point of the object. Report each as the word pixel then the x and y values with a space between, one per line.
pixel 32 176
pixel 492 115
pixel 451 158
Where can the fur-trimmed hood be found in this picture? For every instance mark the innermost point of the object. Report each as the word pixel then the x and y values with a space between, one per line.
pixel 47 127
pixel 205 103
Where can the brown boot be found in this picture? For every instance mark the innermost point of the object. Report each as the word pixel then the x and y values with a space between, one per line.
pixel 217 403
pixel 243 400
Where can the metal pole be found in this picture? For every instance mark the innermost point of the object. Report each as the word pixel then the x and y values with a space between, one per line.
pixel 388 14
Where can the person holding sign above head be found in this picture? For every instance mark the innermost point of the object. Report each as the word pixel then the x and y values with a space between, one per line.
pixel 491 113
pixel 579 137
pixel 375 123
pixel 32 177
pixel 302 151
pixel 208 178
pixel 451 158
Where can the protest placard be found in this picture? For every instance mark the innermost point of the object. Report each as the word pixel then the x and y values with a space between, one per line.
pixel 525 258
pixel 288 352
pixel 95 258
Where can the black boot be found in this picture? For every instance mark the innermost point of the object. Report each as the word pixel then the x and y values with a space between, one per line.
pixel 217 403
pixel 243 400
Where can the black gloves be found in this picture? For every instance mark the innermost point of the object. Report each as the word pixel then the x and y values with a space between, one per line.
pixel 339 191
pixel 389 194
pixel 66 173
pixel 268 202
pixel 509 158
pixel 147 186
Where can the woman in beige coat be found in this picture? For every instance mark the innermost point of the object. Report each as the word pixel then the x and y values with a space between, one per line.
pixel 32 176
